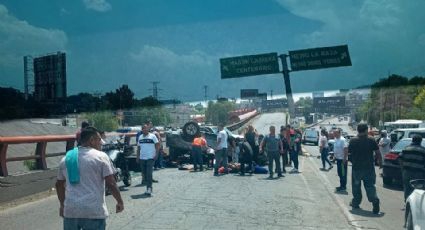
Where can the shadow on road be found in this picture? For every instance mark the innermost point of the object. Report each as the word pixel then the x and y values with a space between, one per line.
pixel 366 213
pixel 140 196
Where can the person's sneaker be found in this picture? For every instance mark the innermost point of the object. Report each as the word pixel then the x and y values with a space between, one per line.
pixel 280 175
pixel 294 170
pixel 154 181
pixel 215 174
pixel 330 167
pixel 148 192
pixel 270 177
pixel 340 189
pixel 376 207
pixel 355 206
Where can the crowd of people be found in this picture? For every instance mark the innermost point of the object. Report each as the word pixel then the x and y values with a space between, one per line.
pixel 85 170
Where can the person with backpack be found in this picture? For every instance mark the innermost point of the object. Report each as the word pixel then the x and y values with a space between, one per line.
pixel 273 146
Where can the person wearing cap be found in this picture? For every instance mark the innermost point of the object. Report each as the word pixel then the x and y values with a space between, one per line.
pixel 384 143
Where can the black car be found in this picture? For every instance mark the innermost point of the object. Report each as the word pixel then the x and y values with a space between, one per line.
pixel 391 165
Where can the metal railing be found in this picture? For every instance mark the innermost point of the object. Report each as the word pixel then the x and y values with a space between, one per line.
pixel 40 149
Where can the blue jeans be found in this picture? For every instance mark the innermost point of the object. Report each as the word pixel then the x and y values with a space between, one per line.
pixel 220 160
pixel 369 179
pixel 324 154
pixel 197 158
pixel 83 224
pixel 147 170
pixel 342 172
pixel 294 157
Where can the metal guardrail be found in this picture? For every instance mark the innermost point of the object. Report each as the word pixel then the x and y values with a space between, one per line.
pixel 241 123
pixel 40 149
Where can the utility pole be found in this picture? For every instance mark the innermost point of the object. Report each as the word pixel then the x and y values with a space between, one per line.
pixel 205 93
pixel 155 89
pixel 271 94
pixel 287 81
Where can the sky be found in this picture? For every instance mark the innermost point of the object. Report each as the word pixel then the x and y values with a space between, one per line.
pixel 179 43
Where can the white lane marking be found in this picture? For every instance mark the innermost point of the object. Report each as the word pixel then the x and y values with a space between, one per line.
pixel 339 201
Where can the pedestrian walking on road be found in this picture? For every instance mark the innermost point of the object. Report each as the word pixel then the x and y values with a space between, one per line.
pixel 221 150
pixel 199 144
pixel 412 160
pixel 341 156
pixel 80 184
pixel 147 153
pixel 362 149
pixel 324 149
pixel 293 153
pixel 273 147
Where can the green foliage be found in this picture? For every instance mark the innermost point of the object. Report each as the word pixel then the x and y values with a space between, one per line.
pixel 218 112
pixel 30 164
pixel 158 116
pixel 148 101
pixel 122 98
pixel 105 121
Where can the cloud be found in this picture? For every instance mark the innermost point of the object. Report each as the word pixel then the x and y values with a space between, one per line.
pixel 168 58
pixel 97 5
pixel 382 35
pixel 19 38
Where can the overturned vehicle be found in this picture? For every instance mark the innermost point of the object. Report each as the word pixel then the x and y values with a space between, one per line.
pixel 179 142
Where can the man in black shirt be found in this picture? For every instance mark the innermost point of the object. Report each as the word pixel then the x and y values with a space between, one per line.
pixel 412 160
pixel 361 149
pixel 245 156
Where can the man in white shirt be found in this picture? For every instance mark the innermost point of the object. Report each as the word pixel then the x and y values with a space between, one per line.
pixel 147 152
pixel 81 181
pixel 221 150
pixel 384 143
pixel 341 156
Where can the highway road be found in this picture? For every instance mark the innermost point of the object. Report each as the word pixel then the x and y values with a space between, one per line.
pixel 186 200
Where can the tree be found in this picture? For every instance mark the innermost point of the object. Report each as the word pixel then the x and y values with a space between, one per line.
pixel 105 121
pixel 218 112
pixel 148 102
pixel 122 98
pixel 158 116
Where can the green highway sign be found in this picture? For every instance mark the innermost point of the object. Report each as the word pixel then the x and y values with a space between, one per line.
pixel 249 65
pixel 319 58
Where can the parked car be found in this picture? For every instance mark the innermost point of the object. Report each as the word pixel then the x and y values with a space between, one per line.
pixel 311 136
pixel 399 134
pixel 391 166
pixel 415 206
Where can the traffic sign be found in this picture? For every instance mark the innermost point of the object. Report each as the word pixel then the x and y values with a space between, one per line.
pixel 275 104
pixel 318 58
pixel 249 65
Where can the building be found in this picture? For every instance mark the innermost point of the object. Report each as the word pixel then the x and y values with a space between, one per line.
pixel 50 78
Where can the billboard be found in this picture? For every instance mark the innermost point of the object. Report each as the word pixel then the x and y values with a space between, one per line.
pixel 249 93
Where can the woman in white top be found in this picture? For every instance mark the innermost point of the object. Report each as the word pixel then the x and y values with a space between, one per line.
pixel 324 149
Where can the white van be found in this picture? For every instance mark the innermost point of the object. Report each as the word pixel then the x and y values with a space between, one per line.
pixel 399 134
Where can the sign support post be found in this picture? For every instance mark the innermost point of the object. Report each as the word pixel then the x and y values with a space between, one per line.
pixel 287 81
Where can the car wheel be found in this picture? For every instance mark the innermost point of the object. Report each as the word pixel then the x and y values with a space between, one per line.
pixel 387 180
pixel 409 221
pixel 190 130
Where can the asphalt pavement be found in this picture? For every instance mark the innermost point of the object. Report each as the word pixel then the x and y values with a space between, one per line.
pixel 187 200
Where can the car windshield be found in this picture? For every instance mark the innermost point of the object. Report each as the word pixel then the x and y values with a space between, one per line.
pixel 179 69
pixel 311 133
pixel 403 143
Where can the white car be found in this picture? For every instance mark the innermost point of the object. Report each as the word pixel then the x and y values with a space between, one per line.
pixel 415 206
